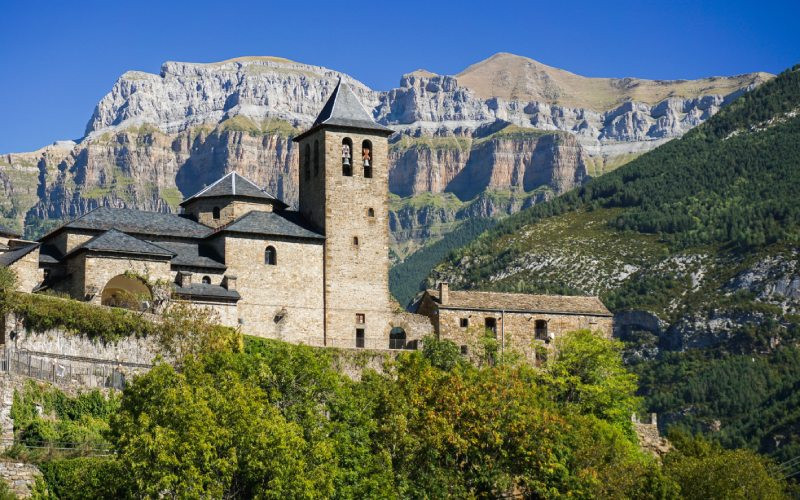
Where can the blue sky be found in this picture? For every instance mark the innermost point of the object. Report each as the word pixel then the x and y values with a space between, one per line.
pixel 57 59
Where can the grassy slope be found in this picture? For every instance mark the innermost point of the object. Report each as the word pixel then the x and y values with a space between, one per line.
pixel 668 233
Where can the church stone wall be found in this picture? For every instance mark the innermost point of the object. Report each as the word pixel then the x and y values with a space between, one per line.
pixel 29 276
pixel 202 210
pixel 98 271
pixel 282 301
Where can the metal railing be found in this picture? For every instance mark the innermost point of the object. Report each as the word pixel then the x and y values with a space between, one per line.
pixel 69 370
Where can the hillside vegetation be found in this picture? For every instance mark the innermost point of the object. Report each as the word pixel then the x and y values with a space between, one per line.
pixel 697 243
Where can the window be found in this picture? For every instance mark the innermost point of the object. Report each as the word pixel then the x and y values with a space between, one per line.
pixel 361 318
pixel 206 280
pixel 540 329
pixel 464 350
pixel 360 338
pixel 347 157
pixel 366 158
pixel 355 241
pixel 491 325
pixel 316 158
pixel 397 338
pixel 270 256
pixel 307 162
pixel 370 212
pixel 463 322
pixel 215 213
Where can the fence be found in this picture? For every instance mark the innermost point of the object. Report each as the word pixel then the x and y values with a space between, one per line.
pixel 69 370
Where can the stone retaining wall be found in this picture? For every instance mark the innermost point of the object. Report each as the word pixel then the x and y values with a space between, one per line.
pixel 20 477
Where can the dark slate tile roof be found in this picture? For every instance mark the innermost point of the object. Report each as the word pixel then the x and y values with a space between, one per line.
pixel 138 222
pixel 8 258
pixel 49 254
pixel 3 247
pixel 7 231
pixel 496 301
pixel 190 254
pixel 343 109
pixel 119 242
pixel 233 184
pixel 283 223
pixel 204 290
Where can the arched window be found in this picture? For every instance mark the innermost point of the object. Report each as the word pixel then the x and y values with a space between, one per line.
pixel 397 338
pixel 347 157
pixel 206 280
pixel 215 213
pixel 540 328
pixel 316 158
pixel 307 162
pixel 366 158
pixel 270 256
pixel 370 212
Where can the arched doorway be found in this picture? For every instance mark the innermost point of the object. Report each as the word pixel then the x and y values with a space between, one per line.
pixel 127 292
pixel 397 338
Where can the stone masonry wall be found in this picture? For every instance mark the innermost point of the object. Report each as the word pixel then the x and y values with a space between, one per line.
pixel 203 210
pixel 20 477
pixel 99 271
pixel 29 276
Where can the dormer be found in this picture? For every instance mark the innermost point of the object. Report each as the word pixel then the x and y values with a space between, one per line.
pixel 228 199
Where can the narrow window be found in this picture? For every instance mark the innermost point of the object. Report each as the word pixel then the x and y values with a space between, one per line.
pixel 215 213
pixel 360 338
pixel 347 157
pixel 316 158
pixel 270 256
pixel 366 158
pixel 397 338
pixel 464 322
pixel 361 318
pixel 307 162
pixel 540 329
pixel 355 241
pixel 206 280
pixel 491 325
pixel 370 212
pixel 464 350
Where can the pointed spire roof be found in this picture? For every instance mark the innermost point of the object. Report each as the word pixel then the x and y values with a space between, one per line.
pixel 233 184
pixel 343 109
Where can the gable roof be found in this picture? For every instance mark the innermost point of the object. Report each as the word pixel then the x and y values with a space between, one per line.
pixel 233 184
pixel 8 258
pixel 523 302
pixel 190 254
pixel 343 109
pixel 137 222
pixel 6 231
pixel 284 223
pixel 114 241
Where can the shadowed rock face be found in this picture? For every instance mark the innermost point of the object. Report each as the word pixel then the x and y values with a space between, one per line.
pixel 156 138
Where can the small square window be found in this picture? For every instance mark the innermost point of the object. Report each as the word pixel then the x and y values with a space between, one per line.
pixel 361 318
pixel 464 322
pixel 464 350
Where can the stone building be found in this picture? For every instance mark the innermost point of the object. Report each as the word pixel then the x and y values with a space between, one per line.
pixel 318 275
pixel 522 322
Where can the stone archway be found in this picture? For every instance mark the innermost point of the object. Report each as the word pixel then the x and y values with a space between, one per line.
pixel 126 292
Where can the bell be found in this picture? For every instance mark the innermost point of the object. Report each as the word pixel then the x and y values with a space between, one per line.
pixel 345 160
pixel 366 162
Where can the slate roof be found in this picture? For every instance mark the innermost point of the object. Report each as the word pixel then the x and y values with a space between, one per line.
pixel 233 184
pixel 49 254
pixel 137 222
pixel 522 302
pixel 343 109
pixel 3 247
pixel 205 290
pixel 114 241
pixel 190 254
pixel 6 231
pixel 284 223
pixel 8 258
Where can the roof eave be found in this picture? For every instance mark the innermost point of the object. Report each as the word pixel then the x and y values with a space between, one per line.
pixel 525 311
pixel 385 131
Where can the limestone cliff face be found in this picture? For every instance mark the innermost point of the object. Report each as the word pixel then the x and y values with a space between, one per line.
pixel 155 138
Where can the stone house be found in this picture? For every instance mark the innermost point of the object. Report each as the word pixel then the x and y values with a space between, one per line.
pixel 524 323
pixel 317 275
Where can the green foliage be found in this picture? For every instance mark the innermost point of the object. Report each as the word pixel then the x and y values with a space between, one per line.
pixel 442 354
pixel 82 478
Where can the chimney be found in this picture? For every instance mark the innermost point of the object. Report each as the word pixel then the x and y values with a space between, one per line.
pixel 229 282
pixel 184 279
pixel 444 293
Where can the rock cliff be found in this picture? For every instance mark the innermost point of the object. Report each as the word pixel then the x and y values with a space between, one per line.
pixel 156 138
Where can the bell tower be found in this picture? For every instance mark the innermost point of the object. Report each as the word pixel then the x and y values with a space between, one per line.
pixel 344 192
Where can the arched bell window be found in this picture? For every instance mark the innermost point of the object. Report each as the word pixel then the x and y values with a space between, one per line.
pixel 206 280
pixel 307 162
pixel 370 212
pixel 366 158
pixel 316 158
pixel 215 213
pixel 347 157
pixel 270 256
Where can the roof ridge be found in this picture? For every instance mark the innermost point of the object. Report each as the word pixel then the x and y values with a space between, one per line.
pixel 210 185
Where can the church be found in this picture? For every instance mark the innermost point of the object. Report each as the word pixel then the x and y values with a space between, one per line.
pixel 318 275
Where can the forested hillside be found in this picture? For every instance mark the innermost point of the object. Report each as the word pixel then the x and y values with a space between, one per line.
pixel 695 246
